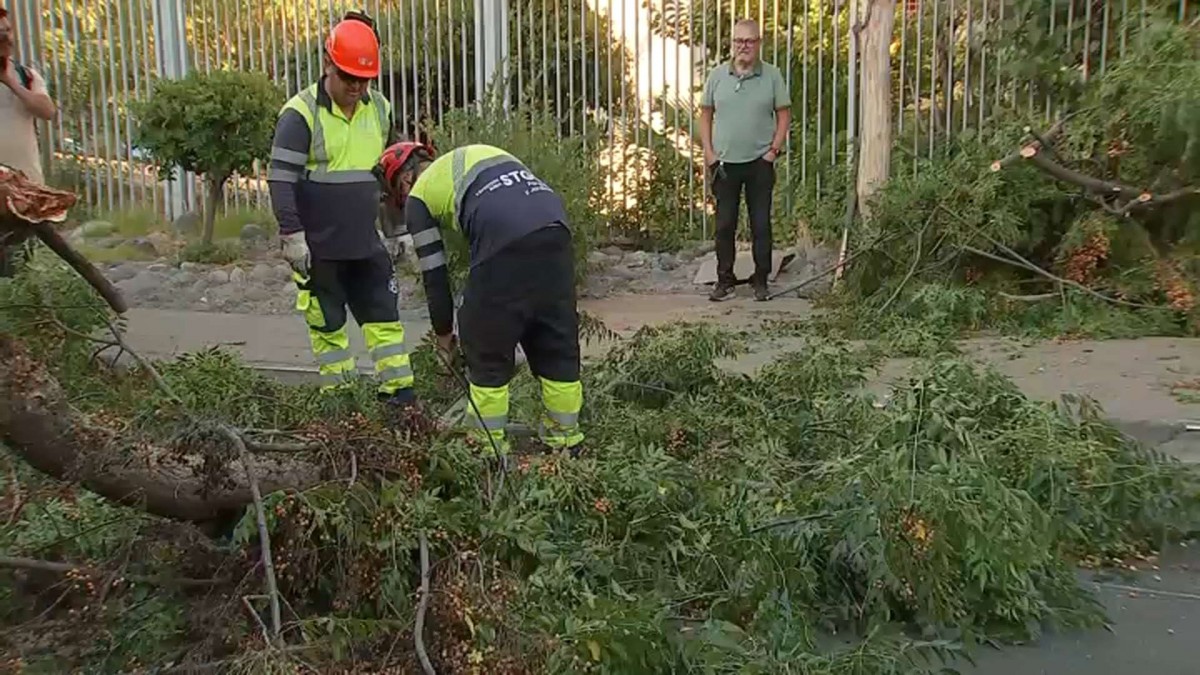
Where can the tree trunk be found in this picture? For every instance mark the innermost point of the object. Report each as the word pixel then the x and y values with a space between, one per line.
pixel 875 150
pixel 216 195
pixel 39 424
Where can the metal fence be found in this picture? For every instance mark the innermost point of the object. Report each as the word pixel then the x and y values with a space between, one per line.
pixel 633 68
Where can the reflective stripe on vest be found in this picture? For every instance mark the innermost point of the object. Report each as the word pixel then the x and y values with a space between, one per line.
pixel 318 160
pixel 463 177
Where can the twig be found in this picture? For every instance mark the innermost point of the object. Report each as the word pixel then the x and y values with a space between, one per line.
pixel 257 619
pixel 142 362
pixel 1066 282
pixel 912 269
pixel 1028 298
pixel 839 265
pixel 263 535
pixel 256 446
pixel 422 606
pixel 49 566
pixel 353 469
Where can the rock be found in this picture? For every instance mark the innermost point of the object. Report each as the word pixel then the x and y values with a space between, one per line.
pixel 598 258
pixel 95 229
pixel 162 242
pixel 262 272
pixel 145 283
pixel 158 267
pixel 612 251
pixel 218 276
pixel 189 266
pixel 122 272
pixel 667 262
pixel 253 233
pixel 105 242
pixel 634 259
pixel 237 276
pixel 198 287
pixel 144 245
pixel 188 224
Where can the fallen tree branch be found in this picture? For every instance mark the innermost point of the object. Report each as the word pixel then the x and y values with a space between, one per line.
pixel 9 562
pixel 264 535
pixel 422 607
pixel 1038 297
pixel 38 422
pixel 1050 137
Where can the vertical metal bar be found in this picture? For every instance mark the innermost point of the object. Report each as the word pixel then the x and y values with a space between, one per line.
pixel 598 45
pixel 54 76
pixel 109 143
pixel 948 85
pixel 129 164
pixel 463 50
pixel 427 81
pixel 571 66
pixel 1087 41
pixel 804 103
pixel 820 79
pixel 1104 38
pixel 917 87
pixel 804 92
pixel 835 94
pixel 416 69
pixel 520 54
pixel 437 31
pixel 637 76
pixel 546 57
pixel 1142 32
pixel 691 117
pixel 852 81
pixel 310 74
pixel 145 89
pixel 707 63
pixel 934 70
pixel 966 104
pixel 612 117
pixel 83 148
pixel 903 67
pixel 999 52
pixel 983 50
pixel 1124 26
pixel 1182 9
pixel 558 106
pixel 404 27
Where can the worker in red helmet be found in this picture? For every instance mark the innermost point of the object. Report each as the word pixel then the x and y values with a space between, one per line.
pixel 327 202
pixel 521 285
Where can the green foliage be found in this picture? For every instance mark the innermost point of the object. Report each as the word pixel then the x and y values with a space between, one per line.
pixel 212 123
pixel 216 253
pixel 718 523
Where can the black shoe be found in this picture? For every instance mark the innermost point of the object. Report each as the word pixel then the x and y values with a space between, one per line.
pixel 760 293
pixel 721 292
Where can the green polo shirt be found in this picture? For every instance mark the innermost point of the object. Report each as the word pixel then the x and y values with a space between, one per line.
pixel 744 109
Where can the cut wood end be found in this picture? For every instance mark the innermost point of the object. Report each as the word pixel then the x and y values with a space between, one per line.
pixel 1145 197
pixel 1029 151
pixel 996 166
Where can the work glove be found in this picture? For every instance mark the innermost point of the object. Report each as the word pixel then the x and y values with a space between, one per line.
pixel 295 252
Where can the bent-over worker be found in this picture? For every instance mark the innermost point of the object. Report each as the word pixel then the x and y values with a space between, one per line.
pixel 520 288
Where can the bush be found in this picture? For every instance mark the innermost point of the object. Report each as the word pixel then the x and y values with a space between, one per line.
pixel 211 123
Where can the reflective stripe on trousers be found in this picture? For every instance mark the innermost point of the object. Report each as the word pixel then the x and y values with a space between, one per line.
pixel 385 342
pixel 488 416
pixel 331 349
pixel 560 423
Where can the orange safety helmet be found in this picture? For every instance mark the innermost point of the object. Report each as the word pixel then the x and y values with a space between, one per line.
pixel 353 46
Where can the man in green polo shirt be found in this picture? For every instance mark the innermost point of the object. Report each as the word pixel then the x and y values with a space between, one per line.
pixel 744 119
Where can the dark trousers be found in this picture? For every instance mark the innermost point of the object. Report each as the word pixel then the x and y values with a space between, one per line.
pixel 525 295
pixel 758 180
pixel 367 287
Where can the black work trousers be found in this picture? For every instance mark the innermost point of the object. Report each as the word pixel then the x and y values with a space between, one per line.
pixel 757 178
pixel 524 294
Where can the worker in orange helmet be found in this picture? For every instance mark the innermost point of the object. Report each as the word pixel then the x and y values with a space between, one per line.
pixel 327 203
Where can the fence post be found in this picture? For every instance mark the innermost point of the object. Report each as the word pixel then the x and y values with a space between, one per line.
pixel 491 48
pixel 170 51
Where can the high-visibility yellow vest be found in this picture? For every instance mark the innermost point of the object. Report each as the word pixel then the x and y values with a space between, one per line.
pixel 342 150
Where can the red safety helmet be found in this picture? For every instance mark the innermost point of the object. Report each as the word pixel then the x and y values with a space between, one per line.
pixel 353 46
pixel 400 157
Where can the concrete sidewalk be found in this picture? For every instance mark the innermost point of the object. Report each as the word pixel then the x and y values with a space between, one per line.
pixel 1133 380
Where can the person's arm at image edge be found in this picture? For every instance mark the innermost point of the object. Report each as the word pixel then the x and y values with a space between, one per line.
pixel 35 99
